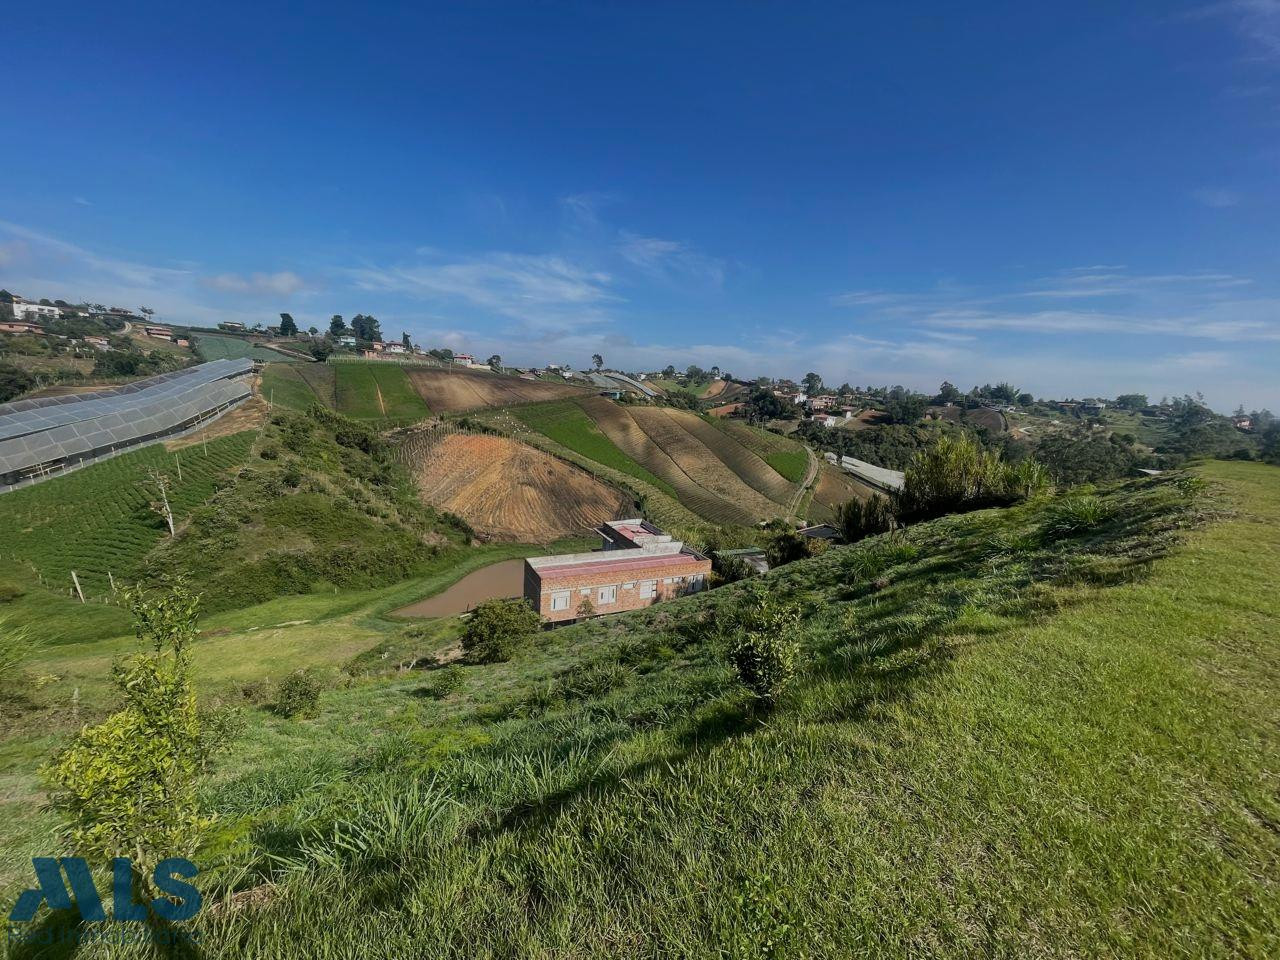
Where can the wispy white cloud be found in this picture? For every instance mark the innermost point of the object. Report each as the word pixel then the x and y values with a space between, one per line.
pixel 1258 21
pixel 536 289
pixel 669 259
pixel 281 284
pixel 82 202
pixel 1217 198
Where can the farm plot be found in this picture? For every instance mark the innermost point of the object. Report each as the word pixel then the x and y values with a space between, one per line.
pixel 786 456
pixel 450 391
pixel 376 391
pixel 283 384
pixel 567 424
pixel 752 469
pixel 322 380
pixel 212 346
pixel 508 489
pixel 701 481
pixel 834 487
pixel 99 519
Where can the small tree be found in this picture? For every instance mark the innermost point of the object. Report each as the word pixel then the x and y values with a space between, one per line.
pixel 858 519
pixel 497 628
pixel 586 608
pixel 159 483
pixel 766 646
pixel 298 695
pixel 494 362
pixel 127 787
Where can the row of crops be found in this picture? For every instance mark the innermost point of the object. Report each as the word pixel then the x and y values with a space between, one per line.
pixel 99 521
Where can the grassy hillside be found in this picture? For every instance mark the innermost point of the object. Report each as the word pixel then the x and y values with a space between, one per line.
pixel 376 391
pixel 324 504
pixel 1035 732
pixel 786 456
pixel 212 346
pixel 980 757
pixel 97 520
pixel 284 385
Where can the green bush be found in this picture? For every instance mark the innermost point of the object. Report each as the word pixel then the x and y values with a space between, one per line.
pixel 298 695
pixel 858 519
pixel 766 647
pixel 957 474
pixel 127 786
pixel 497 628
pixel 444 681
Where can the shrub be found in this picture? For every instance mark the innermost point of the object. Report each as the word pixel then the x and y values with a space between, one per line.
pixel 298 695
pixel 127 786
pixel 1075 515
pixel 858 519
pixel 956 474
pixel 497 628
pixel 445 681
pixel 766 648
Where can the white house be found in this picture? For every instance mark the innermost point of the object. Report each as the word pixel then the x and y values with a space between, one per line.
pixel 464 359
pixel 33 312
pixel 347 340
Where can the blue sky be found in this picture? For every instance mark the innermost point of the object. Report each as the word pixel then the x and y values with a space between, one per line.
pixel 1078 197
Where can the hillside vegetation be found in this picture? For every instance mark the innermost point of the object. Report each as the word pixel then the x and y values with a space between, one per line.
pixel 376 390
pixel 323 504
pixel 1008 731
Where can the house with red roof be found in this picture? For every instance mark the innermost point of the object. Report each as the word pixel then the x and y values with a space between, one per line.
pixel 637 565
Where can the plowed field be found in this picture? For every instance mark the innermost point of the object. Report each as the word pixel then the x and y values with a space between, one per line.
pixel 712 474
pixel 512 491
pixel 448 391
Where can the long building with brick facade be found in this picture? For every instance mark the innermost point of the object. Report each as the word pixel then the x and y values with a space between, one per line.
pixel 638 565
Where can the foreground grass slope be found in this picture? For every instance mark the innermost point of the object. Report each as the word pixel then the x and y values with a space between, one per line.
pixel 1048 731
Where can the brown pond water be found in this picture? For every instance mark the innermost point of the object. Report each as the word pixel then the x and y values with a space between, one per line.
pixel 503 579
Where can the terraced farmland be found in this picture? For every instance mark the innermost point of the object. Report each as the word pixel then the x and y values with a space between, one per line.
pixel 98 519
pixel 786 456
pixel 322 380
pixel 834 487
pixel 508 489
pixel 673 445
pixel 567 424
pixel 212 346
pixel 376 391
pixel 451 391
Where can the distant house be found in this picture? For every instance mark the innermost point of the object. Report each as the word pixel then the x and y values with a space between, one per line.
pixel 395 348
pixel 464 359
pixel 1242 423
pixel 26 310
pixel 231 325
pixel 826 419
pixel 347 340
pixel 182 341
pixel 98 343
pixel 822 402
pixel 821 531
pixel 638 565
pixel 161 333
pixel 377 345
pixel 19 326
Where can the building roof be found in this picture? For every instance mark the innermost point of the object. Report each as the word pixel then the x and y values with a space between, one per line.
pixel 626 562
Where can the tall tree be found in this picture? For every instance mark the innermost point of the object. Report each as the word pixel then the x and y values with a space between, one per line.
pixel 495 362
pixel 287 326
pixel 812 383
pixel 597 360
pixel 336 325
pixel 405 341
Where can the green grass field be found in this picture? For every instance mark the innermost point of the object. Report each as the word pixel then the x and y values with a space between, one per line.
pixel 567 424
pixel 283 384
pixel 212 346
pixel 376 391
pixel 97 520
pixel 1047 731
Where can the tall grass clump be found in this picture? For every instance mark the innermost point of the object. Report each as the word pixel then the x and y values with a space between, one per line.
pixel 859 519
pixel 956 474
pixel 765 649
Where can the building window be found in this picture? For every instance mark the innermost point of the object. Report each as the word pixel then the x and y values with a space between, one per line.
pixel 647 589
pixel 609 594
pixel 560 601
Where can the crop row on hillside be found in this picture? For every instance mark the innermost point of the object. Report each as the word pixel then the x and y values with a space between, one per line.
pixel 566 423
pixel 755 470
pixel 99 519
pixel 212 346
pixel 376 391
pixel 452 391
pixel 284 384
pixel 673 432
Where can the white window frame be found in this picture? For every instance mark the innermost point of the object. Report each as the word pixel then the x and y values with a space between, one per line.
pixel 607 594
pixel 559 601
pixel 648 589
